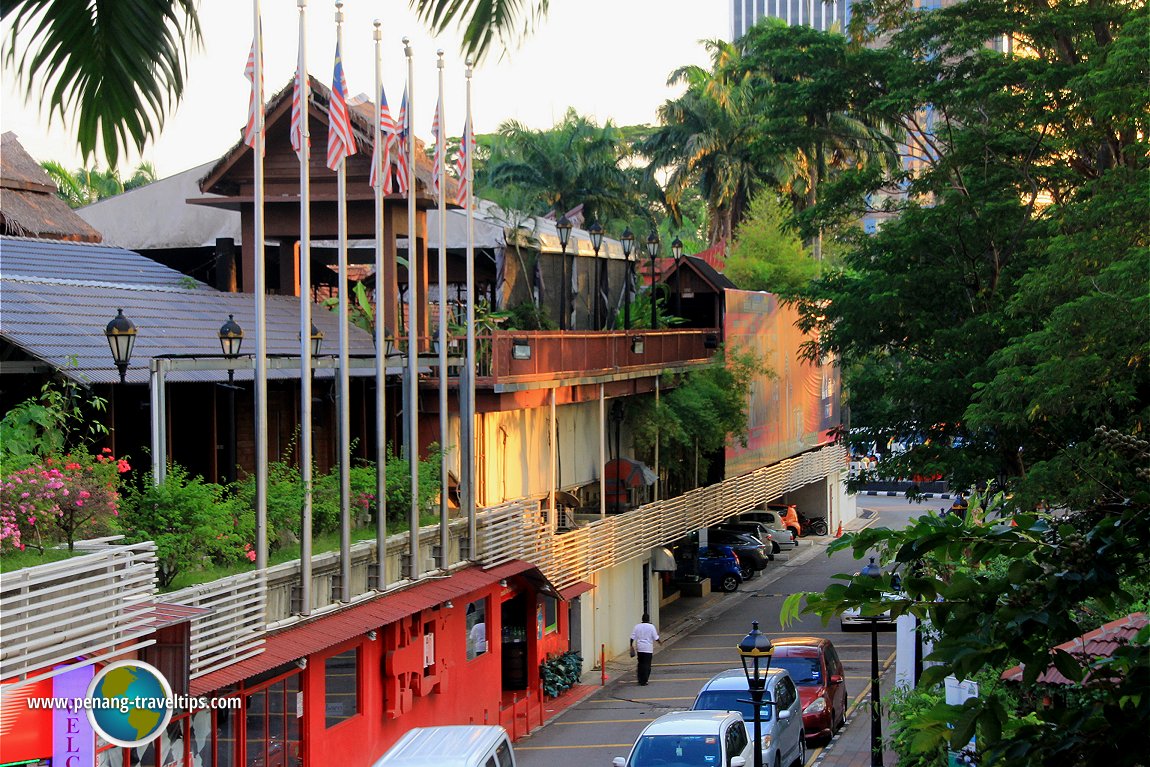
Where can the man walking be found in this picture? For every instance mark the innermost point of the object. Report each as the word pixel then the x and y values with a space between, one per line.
pixel 643 639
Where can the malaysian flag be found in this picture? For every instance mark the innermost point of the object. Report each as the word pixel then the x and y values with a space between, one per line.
pixel 256 99
pixel 399 141
pixel 340 141
pixel 388 132
pixel 463 163
pixel 437 168
pixel 298 99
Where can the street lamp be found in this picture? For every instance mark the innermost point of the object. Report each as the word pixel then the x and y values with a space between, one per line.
pixel 677 249
pixel 121 334
pixel 874 571
pixel 231 338
pixel 316 339
pixel 652 251
pixel 755 651
pixel 628 240
pixel 596 233
pixel 563 227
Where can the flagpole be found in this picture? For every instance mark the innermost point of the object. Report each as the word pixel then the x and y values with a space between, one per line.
pixel 344 361
pixel 467 410
pixel 412 322
pixel 305 373
pixel 441 153
pixel 261 388
pixel 380 341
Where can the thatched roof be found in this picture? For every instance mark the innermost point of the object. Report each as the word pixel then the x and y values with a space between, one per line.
pixel 29 206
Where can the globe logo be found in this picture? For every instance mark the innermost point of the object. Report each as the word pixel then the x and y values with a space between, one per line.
pixel 130 703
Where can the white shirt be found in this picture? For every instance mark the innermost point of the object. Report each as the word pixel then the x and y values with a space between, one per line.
pixel 644 636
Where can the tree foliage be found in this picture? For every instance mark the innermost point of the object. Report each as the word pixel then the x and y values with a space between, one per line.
pixel 767 254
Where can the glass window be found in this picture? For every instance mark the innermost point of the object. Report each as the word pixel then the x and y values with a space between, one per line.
pixel 341 687
pixel 225 736
pixel 476 628
pixel 256 728
pixel 677 750
pixel 550 614
pixel 201 737
pixel 504 755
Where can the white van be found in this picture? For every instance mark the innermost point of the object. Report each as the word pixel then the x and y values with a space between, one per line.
pixel 451 746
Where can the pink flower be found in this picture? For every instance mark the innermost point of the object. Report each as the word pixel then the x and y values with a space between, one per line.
pixel 251 556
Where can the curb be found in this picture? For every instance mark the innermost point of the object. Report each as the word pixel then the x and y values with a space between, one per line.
pixel 897 494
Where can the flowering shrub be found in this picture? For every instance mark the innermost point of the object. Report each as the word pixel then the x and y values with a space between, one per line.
pixel 61 499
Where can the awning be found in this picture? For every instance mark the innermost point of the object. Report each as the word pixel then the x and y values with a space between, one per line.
pixel 569 593
pixel 316 635
pixel 163 614
pixel 662 560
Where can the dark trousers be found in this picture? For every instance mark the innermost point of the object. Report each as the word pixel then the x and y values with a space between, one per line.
pixel 644 666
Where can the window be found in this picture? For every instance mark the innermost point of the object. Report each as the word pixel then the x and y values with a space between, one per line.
pixel 550 613
pixel 736 739
pixel 504 755
pixel 341 687
pixel 476 628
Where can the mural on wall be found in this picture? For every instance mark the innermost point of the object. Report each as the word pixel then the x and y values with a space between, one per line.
pixel 797 409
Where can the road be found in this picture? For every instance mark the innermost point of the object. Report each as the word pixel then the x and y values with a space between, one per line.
pixel 607 723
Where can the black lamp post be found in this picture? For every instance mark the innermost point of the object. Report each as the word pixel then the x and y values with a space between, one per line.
pixel 677 249
pixel 596 233
pixel 874 571
pixel 563 227
pixel 316 338
pixel 617 419
pixel 755 651
pixel 653 251
pixel 628 240
pixel 231 339
pixel 121 334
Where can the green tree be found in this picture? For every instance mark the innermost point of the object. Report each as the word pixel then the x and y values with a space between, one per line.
pixel 88 185
pixel 767 254
pixel 575 163
pixel 117 69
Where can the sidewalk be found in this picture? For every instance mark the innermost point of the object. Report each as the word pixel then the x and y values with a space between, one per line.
pixel 850 747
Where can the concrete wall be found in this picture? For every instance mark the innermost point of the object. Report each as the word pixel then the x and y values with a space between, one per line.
pixel 612 609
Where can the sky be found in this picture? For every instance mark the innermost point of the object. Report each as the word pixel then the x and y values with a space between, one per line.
pixel 609 59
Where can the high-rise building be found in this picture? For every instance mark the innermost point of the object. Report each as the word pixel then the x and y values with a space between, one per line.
pixel 815 13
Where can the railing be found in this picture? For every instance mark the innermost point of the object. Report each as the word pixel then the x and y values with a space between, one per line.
pixel 82 606
pixel 514 356
pixel 234 627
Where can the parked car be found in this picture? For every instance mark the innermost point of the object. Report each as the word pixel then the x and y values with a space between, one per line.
pixel 718 563
pixel 774 524
pixel 789 516
pixel 690 739
pixel 753 553
pixel 817 671
pixel 451 746
pixel 756 529
pixel 852 617
pixel 782 723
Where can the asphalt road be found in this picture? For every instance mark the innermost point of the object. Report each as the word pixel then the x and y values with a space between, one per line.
pixel 607 723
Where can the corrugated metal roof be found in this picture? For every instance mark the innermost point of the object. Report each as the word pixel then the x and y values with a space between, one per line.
pixel 321 633
pixel 1099 643
pixel 61 320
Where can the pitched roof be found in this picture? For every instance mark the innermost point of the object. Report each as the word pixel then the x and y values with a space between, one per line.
pixel 29 206
pixel 59 296
pixel 1099 643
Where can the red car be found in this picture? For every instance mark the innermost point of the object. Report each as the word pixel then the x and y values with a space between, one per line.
pixel 814 665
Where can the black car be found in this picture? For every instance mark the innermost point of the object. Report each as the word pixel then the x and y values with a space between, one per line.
pixel 753 553
pixel 756 529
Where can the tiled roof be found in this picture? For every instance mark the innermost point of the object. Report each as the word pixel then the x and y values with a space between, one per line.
pixel 57 298
pixel 1100 643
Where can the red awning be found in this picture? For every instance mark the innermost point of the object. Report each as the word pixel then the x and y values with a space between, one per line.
pixel 300 641
pixel 162 614
pixel 574 590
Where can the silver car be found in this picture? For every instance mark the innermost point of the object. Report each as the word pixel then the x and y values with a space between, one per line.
pixel 692 739
pixel 784 742
pixel 771 521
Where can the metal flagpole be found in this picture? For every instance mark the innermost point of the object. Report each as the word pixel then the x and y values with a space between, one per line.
pixel 380 340
pixel 304 151
pixel 261 388
pixel 467 409
pixel 441 154
pixel 344 361
pixel 412 320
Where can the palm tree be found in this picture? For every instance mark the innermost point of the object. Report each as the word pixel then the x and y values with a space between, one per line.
pixel 705 141
pixel 88 185
pixel 575 163
pixel 119 67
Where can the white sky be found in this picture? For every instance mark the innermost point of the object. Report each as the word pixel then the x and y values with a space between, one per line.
pixel 609 59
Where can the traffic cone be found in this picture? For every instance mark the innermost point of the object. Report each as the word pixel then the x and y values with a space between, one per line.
pixel 839 532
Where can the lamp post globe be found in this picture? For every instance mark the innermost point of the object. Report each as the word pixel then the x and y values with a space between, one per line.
pixel 627 239
pixel 677 250
pixel 653 251
pixel 231 338
pixel 121 335
pixel 872 570
pixel 755 652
